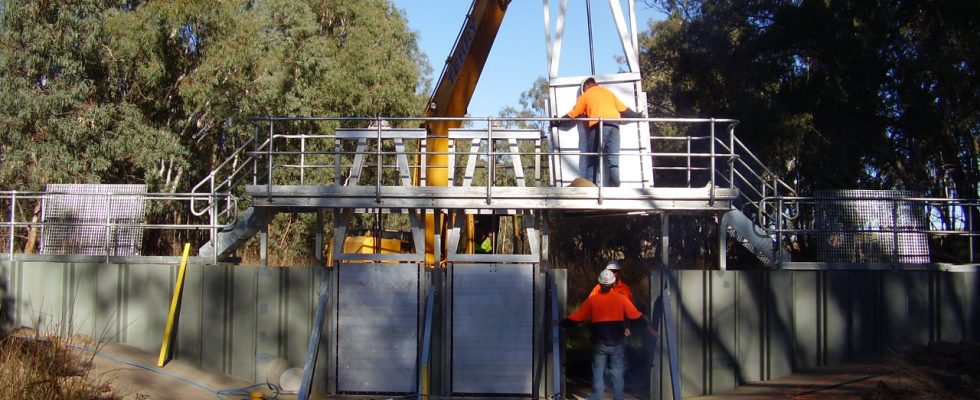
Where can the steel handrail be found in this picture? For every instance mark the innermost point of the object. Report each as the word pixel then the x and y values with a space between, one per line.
pixel 19 197
pixel 228 182
pixel 377 133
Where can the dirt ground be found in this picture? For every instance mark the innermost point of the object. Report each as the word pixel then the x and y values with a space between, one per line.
pixel 937 371
pixel 123 367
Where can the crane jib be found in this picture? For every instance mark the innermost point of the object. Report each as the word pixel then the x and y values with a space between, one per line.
pixel 466 40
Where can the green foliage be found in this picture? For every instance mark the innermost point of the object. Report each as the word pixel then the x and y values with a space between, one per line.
pixel 841 94
pixel 108 91
pixel 102 91
pixel 62 120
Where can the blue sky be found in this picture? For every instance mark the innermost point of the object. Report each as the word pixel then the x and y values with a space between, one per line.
pixel 519 54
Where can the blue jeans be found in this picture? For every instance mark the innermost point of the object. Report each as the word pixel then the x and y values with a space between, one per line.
pixel 610 149
pixel 612 355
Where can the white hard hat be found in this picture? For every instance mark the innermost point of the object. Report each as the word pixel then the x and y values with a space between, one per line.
pixel 613 265
pixel 606 277
pixel 590 79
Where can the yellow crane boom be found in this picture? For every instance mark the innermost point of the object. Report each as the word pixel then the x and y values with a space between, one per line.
pixel 453 92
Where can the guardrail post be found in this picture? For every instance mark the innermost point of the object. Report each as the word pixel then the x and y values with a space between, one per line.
pixel 302 160
pixel 268 184
pixel 895 228
pixel 599 159
pixel 688 141
pixel 377 152
pixel 778 249
pixel 255 164
pixel 108 225
pixel 214 222
pixel 969 224
pixel 731 156
pixel 13 207
pixel 491 167
pixel 711 181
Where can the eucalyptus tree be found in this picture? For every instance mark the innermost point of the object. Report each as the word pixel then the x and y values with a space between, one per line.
pixel 157 92
pixel 840 94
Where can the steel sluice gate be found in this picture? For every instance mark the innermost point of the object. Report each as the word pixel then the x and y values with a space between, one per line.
pixel 377 327
pixel 489 325
pixel 492 328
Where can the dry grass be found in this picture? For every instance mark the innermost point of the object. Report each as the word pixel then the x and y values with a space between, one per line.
pixel 940 370
pixel 43 367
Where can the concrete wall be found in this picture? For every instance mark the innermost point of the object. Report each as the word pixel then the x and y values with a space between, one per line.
pixel 734 327
pixel 233 320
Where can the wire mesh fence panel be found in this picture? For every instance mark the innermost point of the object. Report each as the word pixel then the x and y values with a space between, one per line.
pixel 871 226
pixel 92 219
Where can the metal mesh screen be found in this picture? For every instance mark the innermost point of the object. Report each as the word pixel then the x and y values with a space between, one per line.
pixel 492 329
pixel 871 226
pixel 377 328
pixel 82 219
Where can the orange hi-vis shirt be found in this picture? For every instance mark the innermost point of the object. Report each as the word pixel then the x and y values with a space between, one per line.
pixel 608 312
pixel 597 102
pixel 620 288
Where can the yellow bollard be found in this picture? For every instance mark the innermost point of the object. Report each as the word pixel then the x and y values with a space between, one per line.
pixel 178 289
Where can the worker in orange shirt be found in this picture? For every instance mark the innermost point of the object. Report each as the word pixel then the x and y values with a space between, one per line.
pixel 608 312
pixel 599 102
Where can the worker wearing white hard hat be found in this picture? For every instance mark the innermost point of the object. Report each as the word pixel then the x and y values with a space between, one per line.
pixel 620 287
pixel 608 312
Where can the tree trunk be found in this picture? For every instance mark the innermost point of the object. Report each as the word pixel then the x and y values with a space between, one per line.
pixel 32 231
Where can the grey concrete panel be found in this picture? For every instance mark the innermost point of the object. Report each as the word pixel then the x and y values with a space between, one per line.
pixel 492 328
pixel 160 286
pixel 268 314
pixel 752 300
pixel 215 322
pixel 377 328
pixel 893 310
pixel 190 323
pixel 691 324
pixel 298 302
pixel 724 331
pixel 134 305
pixel 957 294
pixel 82 300
pixel 838 329
pixel 109 298
pixel 807 318
pixel 243 323
pixel 42 295
pixel 864 315
pixel 971 284
pixel 8 291
pixel 920 297
pixel 780 344
pixel 802 313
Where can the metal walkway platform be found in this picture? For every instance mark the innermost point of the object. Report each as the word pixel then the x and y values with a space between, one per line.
pixel 496 198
